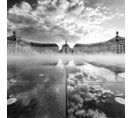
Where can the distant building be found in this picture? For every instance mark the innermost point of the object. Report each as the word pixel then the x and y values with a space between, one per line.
pixel 16 45
pixel 12 37
pixel 114 45
pixel 44 47
pixel 65 48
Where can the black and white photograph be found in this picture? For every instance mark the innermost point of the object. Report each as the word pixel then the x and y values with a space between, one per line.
pixel 65 58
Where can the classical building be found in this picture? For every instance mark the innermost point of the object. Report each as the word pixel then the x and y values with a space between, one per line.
pixel 44 47
pixel 114 45
pixel 16 45
pixel 65 48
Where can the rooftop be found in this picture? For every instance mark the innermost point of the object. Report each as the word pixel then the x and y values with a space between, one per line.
pixel 117 38
pixel 44 44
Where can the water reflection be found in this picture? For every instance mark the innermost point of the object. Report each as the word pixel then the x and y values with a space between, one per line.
pixel 38 96
pixel 94 92
pixel 62 90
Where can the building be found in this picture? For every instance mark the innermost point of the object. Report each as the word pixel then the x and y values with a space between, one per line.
pixel 44 47
pixel 114 45
pixel 65 48
pixel 16 45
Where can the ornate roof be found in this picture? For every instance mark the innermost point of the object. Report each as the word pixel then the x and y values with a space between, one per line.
pixel 65 45
pixel 115 39
pixel 12 38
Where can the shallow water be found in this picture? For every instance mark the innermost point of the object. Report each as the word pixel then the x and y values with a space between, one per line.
pixel 38 96
pixel 40 89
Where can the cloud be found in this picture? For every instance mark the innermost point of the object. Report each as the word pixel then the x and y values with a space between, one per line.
pixel 21 16
pixel 22 19
pixel 59 20
pixel 101 35
pixel 40 24
pixel 95 113
pixel 42 35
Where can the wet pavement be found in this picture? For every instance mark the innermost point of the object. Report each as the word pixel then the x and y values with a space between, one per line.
pixel 41 91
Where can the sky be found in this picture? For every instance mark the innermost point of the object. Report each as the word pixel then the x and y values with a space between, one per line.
pixel 74 21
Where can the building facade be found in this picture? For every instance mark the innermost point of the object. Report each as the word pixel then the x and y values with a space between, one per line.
pixel 44 47
pixel 16 45
pixel 65 48
pixel 114 45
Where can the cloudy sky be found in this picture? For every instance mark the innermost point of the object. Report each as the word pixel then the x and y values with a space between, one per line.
pixel 77 21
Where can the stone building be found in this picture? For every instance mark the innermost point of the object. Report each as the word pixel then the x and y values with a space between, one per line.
pixel 16 45
pixel 65 48
pixel 44 47
pixel 114 45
